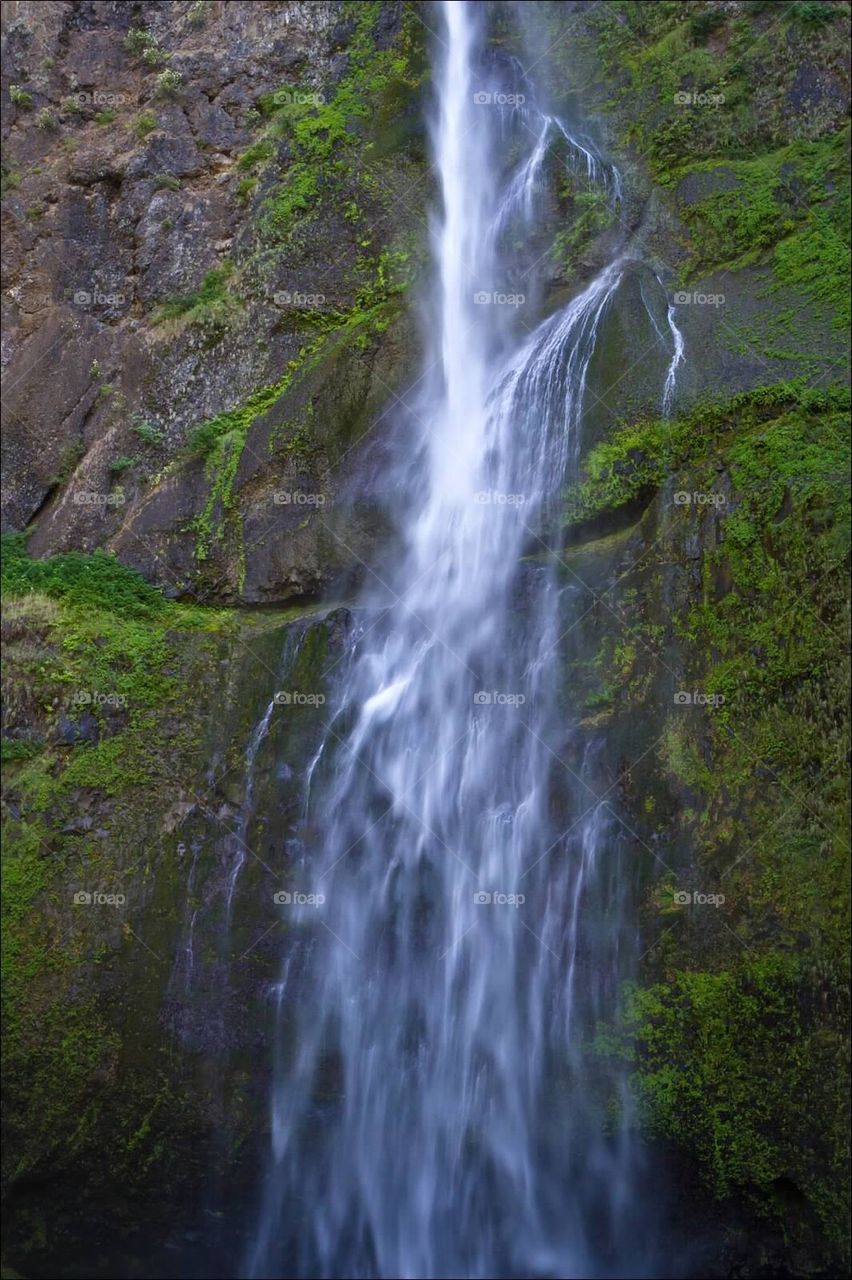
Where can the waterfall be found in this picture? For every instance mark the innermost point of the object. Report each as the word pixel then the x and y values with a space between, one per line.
pixel 466 917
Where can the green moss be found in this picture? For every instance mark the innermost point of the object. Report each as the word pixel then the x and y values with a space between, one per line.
pixel 723 1061
pixel 637 458
pixel 166 182
pixel 695 82
pixel 743 1007
pixel 327 140
pixel 221 440
pixel 790 208
pixel 210 302
pixel 83 635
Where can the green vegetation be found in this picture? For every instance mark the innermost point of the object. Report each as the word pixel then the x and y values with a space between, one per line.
pixel 723 1058
pixel 697 82
pixel 740 112
pixel 144 124
pixel 122 464
pixel 210 302
pixel 20 97
pixel 86 642
pixel 198 13
pixel 45 119
pixel 246 188
pixel 107 116
pixel 221 440
pixel 638 458
pixel 147 432
pixel 97 581
pixel 168 83
pixel 329 140
pixel 743 1007
pixel 792 208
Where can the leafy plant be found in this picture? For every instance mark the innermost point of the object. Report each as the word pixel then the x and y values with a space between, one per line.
pixel 146 431
pixel 168 83
pixel 145 123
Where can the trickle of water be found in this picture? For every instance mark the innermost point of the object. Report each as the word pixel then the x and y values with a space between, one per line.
pixel 436 1111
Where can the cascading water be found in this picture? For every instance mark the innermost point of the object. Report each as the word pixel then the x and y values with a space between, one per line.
pixel 436 1111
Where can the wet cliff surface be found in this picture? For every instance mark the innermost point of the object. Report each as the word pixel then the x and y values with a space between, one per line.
pixel 214 223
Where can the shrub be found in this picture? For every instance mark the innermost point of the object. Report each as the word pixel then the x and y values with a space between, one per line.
pixel 20 97
pixel 137 41
pixel 146 431
pixel 168 83
pixel 145 123
pixel 98 580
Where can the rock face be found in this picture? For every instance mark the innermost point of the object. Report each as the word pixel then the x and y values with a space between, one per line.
pixel 155 279
pixel 206 337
